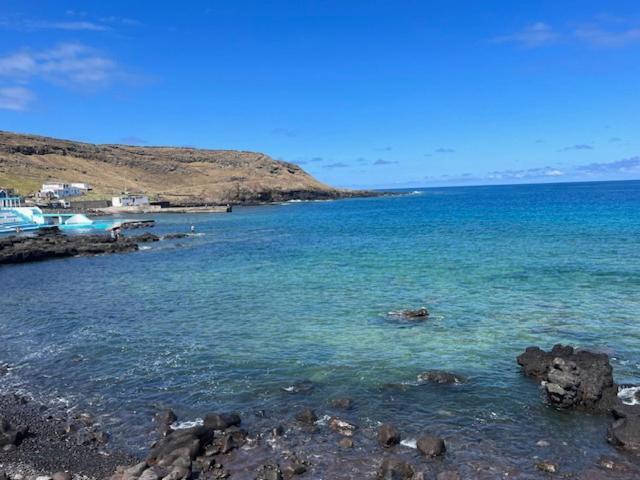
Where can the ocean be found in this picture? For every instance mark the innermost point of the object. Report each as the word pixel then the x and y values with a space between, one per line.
pixel 267 297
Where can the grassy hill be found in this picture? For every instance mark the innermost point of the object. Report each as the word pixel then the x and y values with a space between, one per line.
pixel 181 175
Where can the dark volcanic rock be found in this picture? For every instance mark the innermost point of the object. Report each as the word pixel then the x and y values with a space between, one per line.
pixel 174 236
pixel 222 421
pixel 438 376
pixel 420 313
pixel 301 386
pixel 269 471
pixel 49 244
pixel 388 435
pixel 572 379
pixel 145 238
pixel 624 432
pixel 307 416
pixel 10 435
pixel 395 469
pixel 164 419
pixel 342 426
pixel 431 446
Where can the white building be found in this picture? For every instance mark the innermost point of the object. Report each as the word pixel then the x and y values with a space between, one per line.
pixel 82 186
pixel 62 190
pixel 130 200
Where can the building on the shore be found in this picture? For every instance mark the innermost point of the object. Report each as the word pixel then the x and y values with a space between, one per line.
pixel 130 200
pixel 62 190
pixel 8 198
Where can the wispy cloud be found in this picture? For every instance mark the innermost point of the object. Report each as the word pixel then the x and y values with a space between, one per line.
pixel 383 149
pixel 336 165
pixel 581 146
pixel 284 132
pixel 15 98
pixel 526 174
pixel 68 64
pixel 624 166
pixel 615 140
pixel 600 37
pixel 380 161
pixel 133 140
pixel 444 150
pixel 317 159
pixel 534 35
pixel 79 21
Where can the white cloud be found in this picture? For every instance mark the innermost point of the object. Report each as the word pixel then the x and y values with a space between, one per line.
pixel 69 64
pixel 602 38
pixel 535 35
pixel 15 98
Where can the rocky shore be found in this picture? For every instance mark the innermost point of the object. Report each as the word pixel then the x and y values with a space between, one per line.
pixel 39 443
pixel 51 243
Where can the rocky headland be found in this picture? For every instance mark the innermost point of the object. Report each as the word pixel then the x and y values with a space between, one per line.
pixel 50 243
pixel 184 176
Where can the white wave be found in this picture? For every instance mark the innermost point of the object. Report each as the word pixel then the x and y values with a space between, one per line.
pixel 144 247
pixel 187 424
pixel 628 395
pixel 409 442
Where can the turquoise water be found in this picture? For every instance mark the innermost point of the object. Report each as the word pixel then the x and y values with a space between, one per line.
pixel 270 295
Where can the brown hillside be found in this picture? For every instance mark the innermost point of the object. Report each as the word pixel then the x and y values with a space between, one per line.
pixel 182 175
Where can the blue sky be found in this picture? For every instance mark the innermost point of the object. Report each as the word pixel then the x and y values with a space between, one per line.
pixel 359 93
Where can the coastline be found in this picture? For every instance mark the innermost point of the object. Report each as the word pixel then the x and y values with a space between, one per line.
pixel 308 443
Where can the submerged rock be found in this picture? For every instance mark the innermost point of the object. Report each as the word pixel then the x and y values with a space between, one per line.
pixel 439 376
pixel 307 416
pixel 164 419
pixel 624 432
pixel 388 435
pixel 301 386
pixel 342 403
pixel 395 469
pixel 572 379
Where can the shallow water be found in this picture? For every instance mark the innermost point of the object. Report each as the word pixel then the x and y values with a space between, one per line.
pixel 270 295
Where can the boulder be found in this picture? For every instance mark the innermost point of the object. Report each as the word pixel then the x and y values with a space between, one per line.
pixel 164 419
pixel 431 446
pixel 547 466
pixel 572 379
pixel 624 432
pixel 222 421
pixel 307 416
pixel 388 435
pixel 10 435
pixel 188 442
pixel 448 475
pixel 61 476
pixel 301 386
pixel 395 469
pixel 342 426
pixel 269 471
pixel 420 313
pixel 439 376
pixel 346 442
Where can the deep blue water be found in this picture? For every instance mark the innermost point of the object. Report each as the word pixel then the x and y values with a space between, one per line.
pixel 274 294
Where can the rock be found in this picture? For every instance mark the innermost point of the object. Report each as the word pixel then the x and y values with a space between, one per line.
pixel 150 474
pixel 346 442
pixel 419 313
pixel 547 466
pixel 269 471
pixel 572 379
pixel 187 442
pixel 145 238
pixel 625 433
pixel 448 475
pixel 342 426
pixel 342 403
pixel 438 376
pixel 293 467
pixel 178 473
pixel 61 476
pixel 307 416
pixel 10 435
pixel 222 421
pixel 388 435
pixel 301 386
pixel 164 419
pixel 277 431
pixel 174 236
pixel 52 244
pixel 395 469
pixel 136 470
pixel 431 446
pixel 542 443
